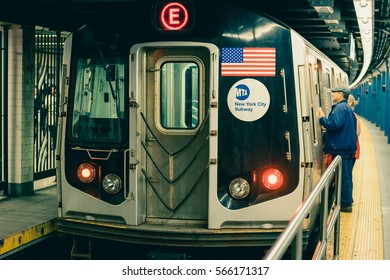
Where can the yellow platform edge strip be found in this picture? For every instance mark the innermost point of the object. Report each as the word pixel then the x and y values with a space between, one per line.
pixel 24 237
pixel 361 236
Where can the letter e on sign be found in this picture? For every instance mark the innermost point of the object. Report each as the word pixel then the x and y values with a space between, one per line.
pixel 174 16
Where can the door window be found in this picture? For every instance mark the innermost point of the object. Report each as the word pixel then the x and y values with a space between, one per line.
pixel 179 95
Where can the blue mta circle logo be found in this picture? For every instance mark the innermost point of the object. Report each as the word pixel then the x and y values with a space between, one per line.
pixel 242 92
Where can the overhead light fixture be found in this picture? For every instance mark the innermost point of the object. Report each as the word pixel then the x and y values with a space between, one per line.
pixel 323 6
pixel 337 28
pixel 332 21
pixel 364 15
pixel 352 47
pixel 324 9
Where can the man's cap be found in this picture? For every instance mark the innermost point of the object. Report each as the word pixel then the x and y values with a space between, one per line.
pixel 343 89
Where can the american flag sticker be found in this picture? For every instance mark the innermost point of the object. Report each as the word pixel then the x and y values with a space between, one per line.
pixel 248 62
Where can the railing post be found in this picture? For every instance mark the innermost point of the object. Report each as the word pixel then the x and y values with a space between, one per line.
pixel 293 233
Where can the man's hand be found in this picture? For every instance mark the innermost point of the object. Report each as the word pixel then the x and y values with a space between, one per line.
pixel 320 113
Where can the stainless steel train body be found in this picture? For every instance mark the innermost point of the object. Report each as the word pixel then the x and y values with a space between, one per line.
pixel 193 125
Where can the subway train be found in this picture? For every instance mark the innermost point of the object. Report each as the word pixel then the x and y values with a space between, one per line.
pixel 193 125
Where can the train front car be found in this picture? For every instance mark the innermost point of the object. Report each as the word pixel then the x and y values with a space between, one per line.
pixel 183 128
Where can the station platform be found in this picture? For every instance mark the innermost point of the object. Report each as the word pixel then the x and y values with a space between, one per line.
pixel 26 220
pixel 365 233
pixel 382 152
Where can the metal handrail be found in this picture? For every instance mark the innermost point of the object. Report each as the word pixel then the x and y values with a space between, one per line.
pixel 292 234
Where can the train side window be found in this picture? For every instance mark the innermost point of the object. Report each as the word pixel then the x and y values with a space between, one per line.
pixel 312 105
pixel 337 79
pixel 326 94
pixel 327 80
pixel 179 99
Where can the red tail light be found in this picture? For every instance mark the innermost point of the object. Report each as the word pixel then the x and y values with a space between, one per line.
pixel 86 172
pixel 272 179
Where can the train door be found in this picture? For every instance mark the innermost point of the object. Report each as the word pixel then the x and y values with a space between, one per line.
pixel 173 92
pixel 316 128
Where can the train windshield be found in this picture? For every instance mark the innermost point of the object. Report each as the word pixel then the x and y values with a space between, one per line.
pixel 99 100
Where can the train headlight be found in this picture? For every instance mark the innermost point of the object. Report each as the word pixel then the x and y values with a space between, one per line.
pixel 112 183
pixel 86 172
pixel 239 188
pixel 272 179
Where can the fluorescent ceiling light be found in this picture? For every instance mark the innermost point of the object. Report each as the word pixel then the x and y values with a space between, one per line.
pixel 364 15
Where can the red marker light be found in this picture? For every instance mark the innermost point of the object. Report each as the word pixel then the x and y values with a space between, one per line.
pixel 86 172
pixel 272 179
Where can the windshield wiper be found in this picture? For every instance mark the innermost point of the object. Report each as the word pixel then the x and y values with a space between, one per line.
pixel 106 66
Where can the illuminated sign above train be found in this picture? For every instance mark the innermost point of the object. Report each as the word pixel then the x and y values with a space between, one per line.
pixel 174 16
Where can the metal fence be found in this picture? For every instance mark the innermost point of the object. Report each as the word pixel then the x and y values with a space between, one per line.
pixel 48 58
pixel 329 223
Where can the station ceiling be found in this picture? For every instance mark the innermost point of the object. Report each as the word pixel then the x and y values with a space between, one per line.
pixel 327 24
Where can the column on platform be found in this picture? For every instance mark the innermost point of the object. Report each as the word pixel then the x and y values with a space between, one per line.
pixel 21 110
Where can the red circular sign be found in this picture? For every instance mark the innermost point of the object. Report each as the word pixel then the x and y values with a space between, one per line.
pixel 174 16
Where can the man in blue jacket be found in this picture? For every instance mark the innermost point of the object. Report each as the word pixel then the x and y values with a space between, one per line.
pixel 340 139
